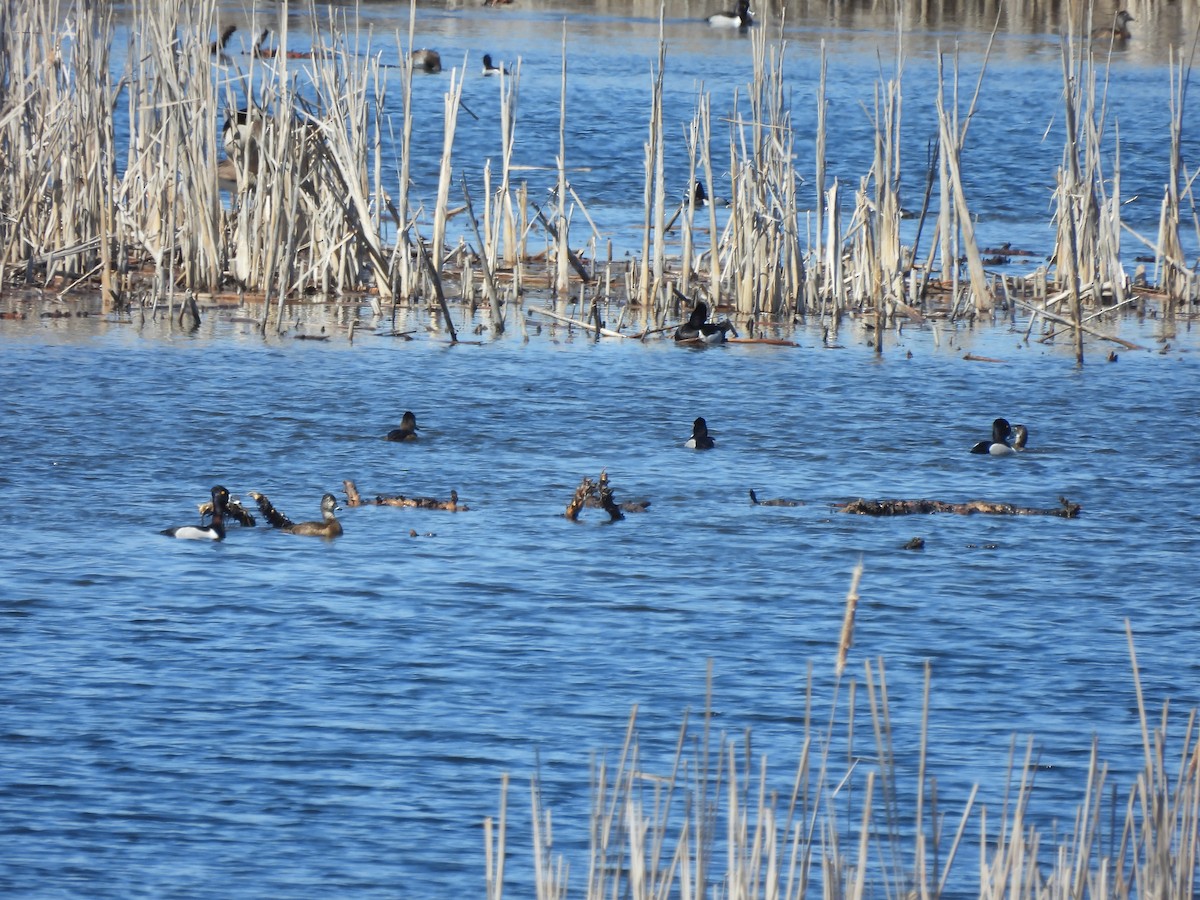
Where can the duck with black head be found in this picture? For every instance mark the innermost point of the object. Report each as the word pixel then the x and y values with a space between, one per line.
pixel 700 439
pixel 698 329
pixel 214 530
pixel 740 17
pixel 998 445
pixel 490 68
pixel 407 430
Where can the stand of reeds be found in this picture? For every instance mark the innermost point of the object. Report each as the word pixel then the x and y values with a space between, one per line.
pixel 855 820
pixel 157 217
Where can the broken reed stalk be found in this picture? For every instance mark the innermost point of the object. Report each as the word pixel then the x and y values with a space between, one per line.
pixel 563 244
pixel 951 139
pixel 847 635
pixel 657 151
pixel 450 106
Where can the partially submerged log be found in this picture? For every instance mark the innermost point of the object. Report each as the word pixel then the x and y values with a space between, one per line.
pixel 596 493
pixel 1065 510
pixel 451 505
pixel 778 501
pixel 274 517
pixel 353 498
pixel 233 510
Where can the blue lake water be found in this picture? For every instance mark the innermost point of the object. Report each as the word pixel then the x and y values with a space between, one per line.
pixel 274 716
pixel 282 716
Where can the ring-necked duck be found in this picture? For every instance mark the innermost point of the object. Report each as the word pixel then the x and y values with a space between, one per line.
pixel 700 439
pixel 998 445
pixel 489 68
pixel 698 328
pixel 214 530
pixel 407 430
pixel 739 18
pixel 242 127
pixel 328 527
pixel 1117 32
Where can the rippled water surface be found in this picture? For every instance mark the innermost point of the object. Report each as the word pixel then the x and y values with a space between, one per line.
pixel 275 716
pixel 281 716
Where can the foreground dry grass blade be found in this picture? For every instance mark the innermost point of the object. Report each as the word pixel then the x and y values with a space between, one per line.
pixel 712 825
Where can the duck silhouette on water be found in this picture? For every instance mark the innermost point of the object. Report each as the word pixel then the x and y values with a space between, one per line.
pixel 407 430
pixel 700 439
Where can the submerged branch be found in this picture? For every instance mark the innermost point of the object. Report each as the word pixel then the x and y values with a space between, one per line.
pixel 1066 509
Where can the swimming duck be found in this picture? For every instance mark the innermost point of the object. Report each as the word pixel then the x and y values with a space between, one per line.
pixel 427 61
pixel 217 47
pixel 214 530
pixel 998 445
pixel 698 328
pixel 1116 33
pixel 700 439
pixel 739 18
pixel 407 430
pixel 328 527
pixel 1020 436
pixel 489 68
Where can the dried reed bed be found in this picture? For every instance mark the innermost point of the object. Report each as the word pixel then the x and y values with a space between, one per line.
pixel 146 221
pixel 855 821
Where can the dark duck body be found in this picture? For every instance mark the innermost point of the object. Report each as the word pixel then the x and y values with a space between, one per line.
pixel 700 439
pixel 407 430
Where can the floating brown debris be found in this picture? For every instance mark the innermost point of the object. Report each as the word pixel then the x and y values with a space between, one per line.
pixel 778 501
pixel 595 493
pixel 233 509
pixel 274 517
pixel 1065 510
pixel 451 505
pixel 353 498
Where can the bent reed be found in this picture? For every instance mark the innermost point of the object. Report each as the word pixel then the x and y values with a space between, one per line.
pixel 313 212
pixel 862 819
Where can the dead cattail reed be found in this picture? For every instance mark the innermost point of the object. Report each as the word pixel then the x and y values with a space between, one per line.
pixel 856 821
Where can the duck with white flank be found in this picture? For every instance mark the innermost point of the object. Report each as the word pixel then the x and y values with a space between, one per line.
pixel 741 17
pixel 698 328
pixel 700 439
pixel 998 445
pixel 490 68
pixel 214 530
